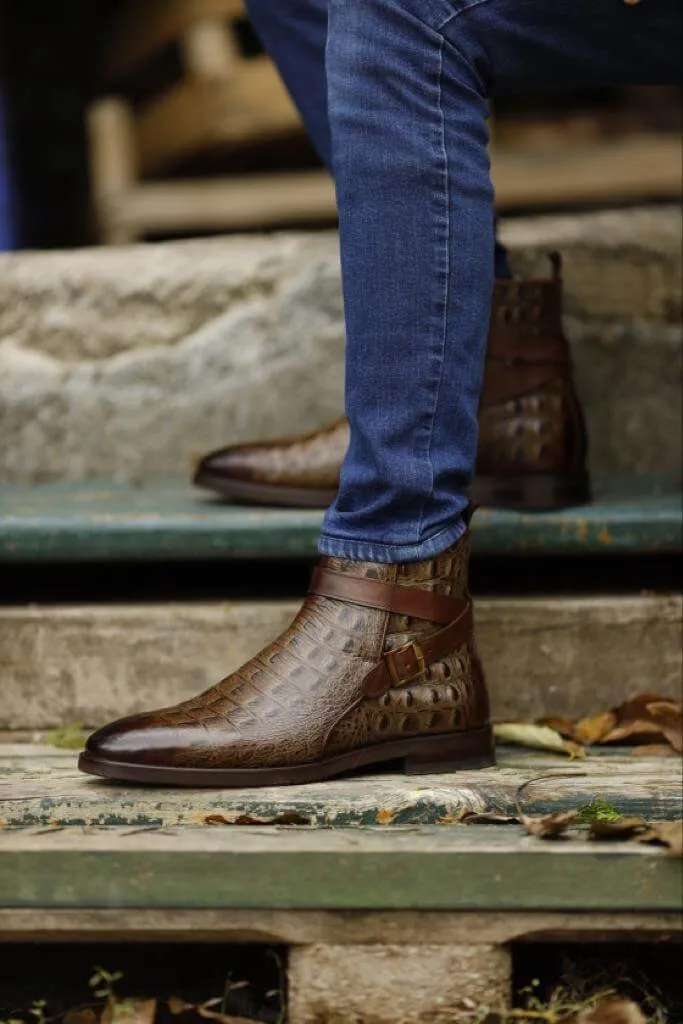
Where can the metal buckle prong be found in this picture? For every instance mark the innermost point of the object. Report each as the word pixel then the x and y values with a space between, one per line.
pixel 419 657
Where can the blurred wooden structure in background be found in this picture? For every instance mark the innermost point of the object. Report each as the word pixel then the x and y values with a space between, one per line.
pixel 222 96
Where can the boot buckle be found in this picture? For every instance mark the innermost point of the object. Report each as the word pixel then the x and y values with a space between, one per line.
pixel 420 670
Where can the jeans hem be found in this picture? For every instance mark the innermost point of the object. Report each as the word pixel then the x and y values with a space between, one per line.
pixel 374 551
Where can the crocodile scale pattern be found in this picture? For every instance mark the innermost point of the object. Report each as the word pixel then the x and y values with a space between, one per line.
pixel 302 698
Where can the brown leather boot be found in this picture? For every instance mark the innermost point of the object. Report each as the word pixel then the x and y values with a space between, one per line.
pixel 379 665
pixel 532 440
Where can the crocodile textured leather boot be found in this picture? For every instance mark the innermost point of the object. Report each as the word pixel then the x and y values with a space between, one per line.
pixel 380 665
pixel 532 440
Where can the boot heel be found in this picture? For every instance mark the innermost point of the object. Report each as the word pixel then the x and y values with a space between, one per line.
pixel 456 751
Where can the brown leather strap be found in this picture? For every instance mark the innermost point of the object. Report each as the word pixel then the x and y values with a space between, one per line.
pixel 421 604
pixel 411 661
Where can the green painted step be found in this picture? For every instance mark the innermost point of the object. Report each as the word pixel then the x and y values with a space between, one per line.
pixel 466 867
pixel 171 520
pixel 43 788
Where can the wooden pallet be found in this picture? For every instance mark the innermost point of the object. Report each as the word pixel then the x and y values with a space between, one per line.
pixel 401 924
pixel 224 99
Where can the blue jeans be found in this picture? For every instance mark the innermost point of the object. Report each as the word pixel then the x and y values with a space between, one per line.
pixel 404 131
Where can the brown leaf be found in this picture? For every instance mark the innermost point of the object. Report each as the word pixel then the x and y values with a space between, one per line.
pixel 564 726
pixel 668 715
pixel 550 826
pixel 612 1010
pixel 488 818
pixel 666 833
pixel 622 828
pixel 385 816
pixel 535 737
pixel 633 720
pixel 286 818
pixel 592 730
pixel 130 1011
pixel 652 750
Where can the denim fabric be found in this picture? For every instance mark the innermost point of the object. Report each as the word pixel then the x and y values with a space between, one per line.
pixel 295 35
pixel 408 83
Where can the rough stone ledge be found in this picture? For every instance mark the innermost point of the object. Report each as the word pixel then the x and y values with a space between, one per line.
pixel 576 655
pixel 128 363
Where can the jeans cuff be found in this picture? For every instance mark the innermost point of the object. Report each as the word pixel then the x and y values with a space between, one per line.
pixel 372 551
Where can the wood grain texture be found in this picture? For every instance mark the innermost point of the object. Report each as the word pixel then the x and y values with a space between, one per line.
pixel 448 868
pixel 42 788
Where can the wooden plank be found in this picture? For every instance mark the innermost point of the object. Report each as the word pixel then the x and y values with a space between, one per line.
pixel 148 27
pixel 617 170
pixel 305 927
pixel 232 203
pixel 171 520
pixel 198 115
pixel 471 867
pixel 95 662
pixel 44 790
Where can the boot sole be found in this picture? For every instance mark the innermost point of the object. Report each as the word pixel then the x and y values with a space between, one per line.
pixel 420 756
pixel 247 492
pixel 539 492
pixel 534 492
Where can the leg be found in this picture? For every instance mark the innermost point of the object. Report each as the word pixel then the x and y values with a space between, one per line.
pixel 408 121
pixel 295 35
pixel 407 89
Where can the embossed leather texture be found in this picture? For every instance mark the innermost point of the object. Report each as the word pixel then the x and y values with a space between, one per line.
pixel 345 681
pixel 532 439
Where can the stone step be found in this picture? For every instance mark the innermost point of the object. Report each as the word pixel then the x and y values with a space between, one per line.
pixel 41 787
pixel 170 520
pixel 128 363
pixel 572 656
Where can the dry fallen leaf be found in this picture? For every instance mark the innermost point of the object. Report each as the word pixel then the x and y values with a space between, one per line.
pixel 535 737
pixel 564 726
pixel 622 828
pixel 550 826
pixel 286 818
pixel 668 715
pixel 385 816
pixel 633 720
pixel 488 818
pixel 611 1010
pixel 592 730
pixel 129 1011
pixel 666 833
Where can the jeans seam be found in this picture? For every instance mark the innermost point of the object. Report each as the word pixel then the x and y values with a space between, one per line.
pixel 446 290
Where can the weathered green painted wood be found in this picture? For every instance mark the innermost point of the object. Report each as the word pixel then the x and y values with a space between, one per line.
pixel 40 788
pixel 458 867
pixel 171 520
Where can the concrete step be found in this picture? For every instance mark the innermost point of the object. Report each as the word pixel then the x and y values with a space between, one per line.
pixel 170 520
pixel 128 363
pixel 571 656
pixel 41 787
